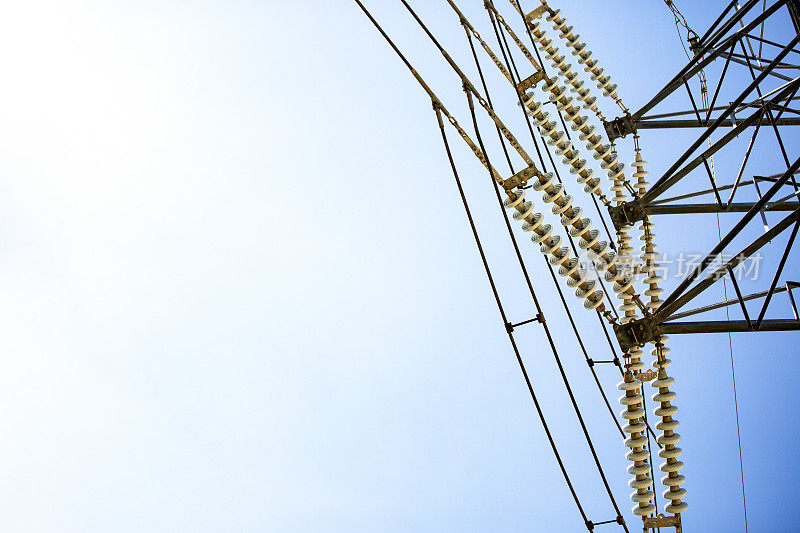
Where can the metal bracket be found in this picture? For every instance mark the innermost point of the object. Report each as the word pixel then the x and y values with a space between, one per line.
pixel 627 213
pixel 619 127
pixel 650 375
pixel 636 333
pixel 663 521
pixel 530 81
pixel 694 44
pixel 520 179
pixel 536 13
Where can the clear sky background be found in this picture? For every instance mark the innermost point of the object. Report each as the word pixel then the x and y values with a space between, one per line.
pixel 240 292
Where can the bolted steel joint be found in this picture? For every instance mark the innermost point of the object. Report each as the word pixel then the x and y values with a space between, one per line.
pixel 537 13
pixel 520 179
pixel 627 213
pixel 619 127
pixel 663 521
pixel 530 82
pixel 636 333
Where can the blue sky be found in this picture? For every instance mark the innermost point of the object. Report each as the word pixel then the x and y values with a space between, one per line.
pixel 240 292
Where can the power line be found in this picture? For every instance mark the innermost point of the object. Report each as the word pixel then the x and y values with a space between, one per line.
pixel 589 360
pixel 619 518
pixel 439 110
pixel 504 318
pixel 469 90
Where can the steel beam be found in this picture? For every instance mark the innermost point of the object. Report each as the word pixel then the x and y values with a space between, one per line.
pixel 675 301
pixel 720 305
pixel 669 179
pixel 698 193
pixel 758 67
pixel 794 12
pixel 725 326
pixel 710 53
pixel 702 40
pixel 670 124
pixel 685 209
pixel 709 40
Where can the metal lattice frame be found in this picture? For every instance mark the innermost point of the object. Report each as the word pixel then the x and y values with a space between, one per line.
pixel 759 75
pixel 766 100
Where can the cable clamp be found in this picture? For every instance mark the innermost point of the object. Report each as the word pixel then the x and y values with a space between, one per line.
pixel 520 179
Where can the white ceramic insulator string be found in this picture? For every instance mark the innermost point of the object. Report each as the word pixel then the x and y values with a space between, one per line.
pixel 584 175
pixel 594 140
pixel 550 245
pixel 584 55
pixel 635 415
pixel 580 123
pixel 668 437
pixel 603 152
pixel 616 272
pixel 578 86
pixel 668 424
pixel 640 174
pixel 628 308
pixel 649 256
pixel 637 442
pixel 580 229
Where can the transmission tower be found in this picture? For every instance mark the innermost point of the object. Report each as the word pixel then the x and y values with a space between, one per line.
pixel 751 56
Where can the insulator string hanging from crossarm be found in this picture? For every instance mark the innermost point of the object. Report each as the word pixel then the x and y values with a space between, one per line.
pixel 470 32
pixel 556 356
pixel 631 384
pixel 570 216
pixel 609 262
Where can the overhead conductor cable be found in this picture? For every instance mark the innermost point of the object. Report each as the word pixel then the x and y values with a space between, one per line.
pixel 668 438
pixel 439 109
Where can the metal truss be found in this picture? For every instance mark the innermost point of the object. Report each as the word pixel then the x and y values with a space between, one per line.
pixel 759 79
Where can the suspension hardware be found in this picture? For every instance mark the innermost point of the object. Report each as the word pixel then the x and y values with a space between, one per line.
pixel 627 213
pixel 530 81
pixel 537 13
pixel 637 332
pixel 520 179
pixel 619 127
